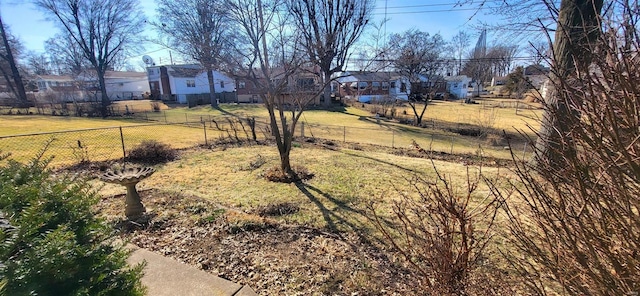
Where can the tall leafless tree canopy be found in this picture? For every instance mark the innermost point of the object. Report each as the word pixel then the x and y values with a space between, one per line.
pixel 418 56
pixel 196 28
pixel 329 29
pixel 66 55
pixel 38 64
pixel 104 30
pixel 458 48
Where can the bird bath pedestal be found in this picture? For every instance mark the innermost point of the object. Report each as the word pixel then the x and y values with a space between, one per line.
pixel 129 178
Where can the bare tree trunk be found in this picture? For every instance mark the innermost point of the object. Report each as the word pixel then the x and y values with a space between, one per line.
pixel 17 79
pixel 415 112
pixel 578 28
pixel 327 89
pixel 103 93
pixel 212 88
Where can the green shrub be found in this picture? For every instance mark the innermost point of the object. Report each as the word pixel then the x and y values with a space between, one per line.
pixel 152 152
pixel 52 244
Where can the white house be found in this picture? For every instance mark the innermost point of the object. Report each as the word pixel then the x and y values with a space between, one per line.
pixel 178 81
pixel 458 85
pixel 122 85
pixel 59 88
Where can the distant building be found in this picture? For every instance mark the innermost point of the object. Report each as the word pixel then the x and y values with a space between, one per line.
pixel 498 80
pixel 123 85
pixel 59 88
pixel 84 87
pixel 177 82
pixel 458 86
pixel 304 85
pixel 537 75
pixel 372 86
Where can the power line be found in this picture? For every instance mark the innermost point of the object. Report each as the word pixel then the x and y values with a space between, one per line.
pixel 454 4
pixel 433 11
pixel 485 59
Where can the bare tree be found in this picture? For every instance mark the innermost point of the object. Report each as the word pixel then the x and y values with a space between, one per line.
pixel 38 64
pixel 197 29
pixel 482 65
pixel 459 45
pixel 478 68
pixel 500 58
pixel 417 55
pixel 11 73
pixel 329 29
pixel 66 55
pixel 264 54
pixel 104 30
pixel 538 51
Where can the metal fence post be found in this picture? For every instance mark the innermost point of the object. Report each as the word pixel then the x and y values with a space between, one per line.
pixel 451 139
pixel 186 120
pixel 165 117
pixel 204 126
pixel 146 115
pixel 302 129
pixel 124 153
pixel 344 134
pixel 393 139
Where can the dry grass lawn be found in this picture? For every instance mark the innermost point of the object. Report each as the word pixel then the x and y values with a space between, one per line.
pixel 349 124
pixel 344 181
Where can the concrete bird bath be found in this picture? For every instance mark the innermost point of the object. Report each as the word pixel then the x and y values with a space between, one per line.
pixel 129 178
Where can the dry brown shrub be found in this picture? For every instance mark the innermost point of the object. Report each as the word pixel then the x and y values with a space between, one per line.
pixel 152 152
pixel 443 235
pixel 575 218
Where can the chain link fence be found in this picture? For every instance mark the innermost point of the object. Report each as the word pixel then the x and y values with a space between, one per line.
pixel 189 130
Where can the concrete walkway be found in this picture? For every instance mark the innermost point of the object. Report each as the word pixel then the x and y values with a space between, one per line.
pixel 165 276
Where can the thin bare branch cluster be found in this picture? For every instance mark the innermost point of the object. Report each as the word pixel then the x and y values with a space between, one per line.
pixel 443 234
pixel 578 226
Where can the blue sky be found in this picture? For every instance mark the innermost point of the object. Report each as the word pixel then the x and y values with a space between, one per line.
pixel 432 16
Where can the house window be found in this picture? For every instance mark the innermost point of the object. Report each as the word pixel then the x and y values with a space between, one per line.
pixel 375 85
pixel 455 85
pixel 393 84
pixel 191 83
pixel 221 83
pixel 362 85
pixel 385 85
pixel 242 84
pixel 305 83
pixel 403 87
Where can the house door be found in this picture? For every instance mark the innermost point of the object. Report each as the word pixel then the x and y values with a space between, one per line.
pixel 154 86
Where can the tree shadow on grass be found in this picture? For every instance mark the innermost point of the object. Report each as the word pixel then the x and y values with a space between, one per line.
pixel 334 211
pixel 382 161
